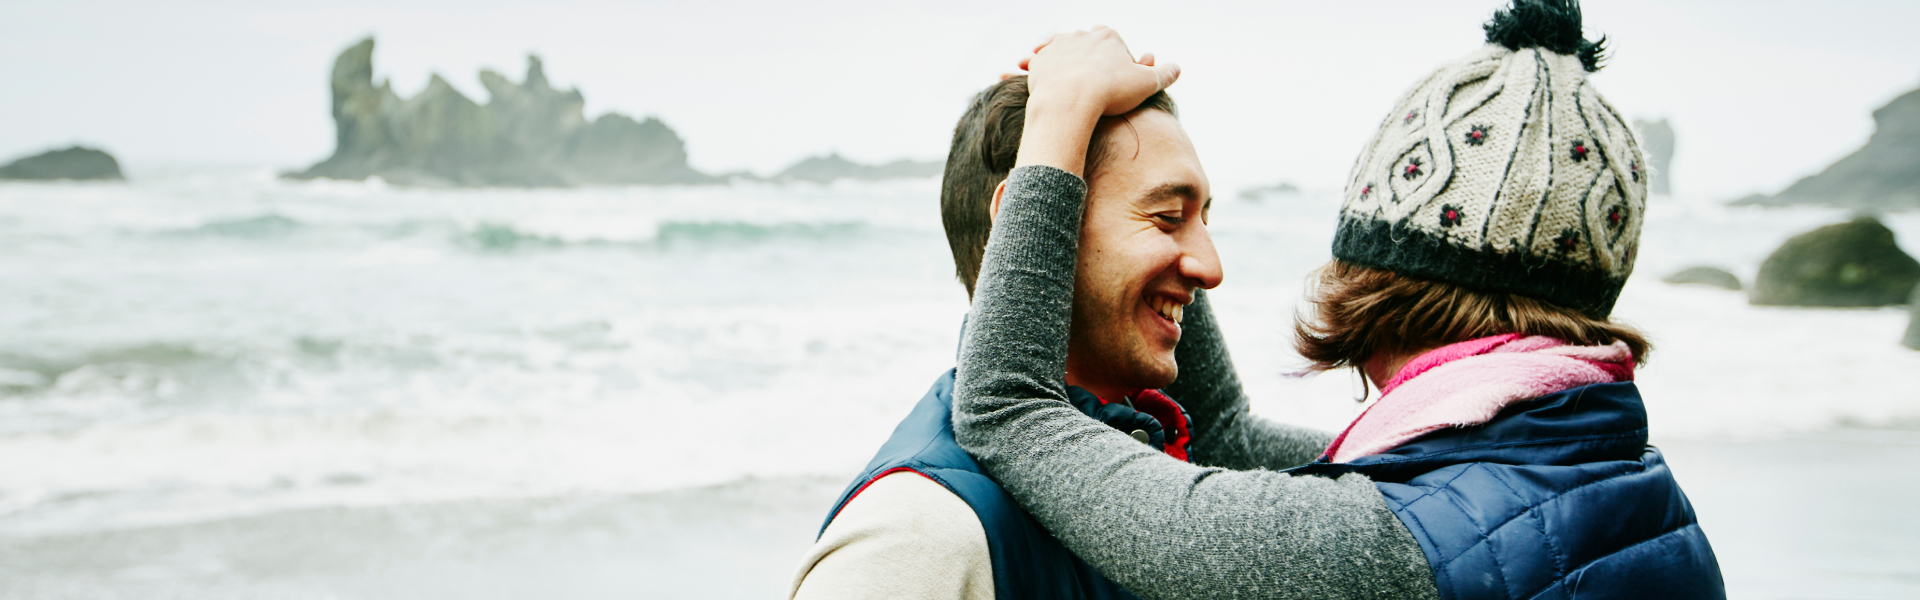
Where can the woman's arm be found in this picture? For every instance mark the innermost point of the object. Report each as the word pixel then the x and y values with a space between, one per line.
pixel 1225 434
pixel 1160 527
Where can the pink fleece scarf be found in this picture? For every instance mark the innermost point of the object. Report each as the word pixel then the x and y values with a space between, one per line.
pixel 1468 383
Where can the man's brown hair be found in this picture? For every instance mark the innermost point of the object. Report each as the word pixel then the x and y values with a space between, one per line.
pixel 985 143
pixel 1357 312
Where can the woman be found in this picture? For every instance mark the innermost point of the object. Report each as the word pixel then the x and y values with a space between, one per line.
pixel 1485 235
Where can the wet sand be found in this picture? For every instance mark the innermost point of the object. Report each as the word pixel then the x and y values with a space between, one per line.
pixel 1829 514
pixel 1820 515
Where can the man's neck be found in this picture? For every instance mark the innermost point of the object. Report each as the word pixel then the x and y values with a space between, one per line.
pixel 1106 391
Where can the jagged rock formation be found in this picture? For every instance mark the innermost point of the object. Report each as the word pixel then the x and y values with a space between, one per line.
pixel 1856 263
pixel 1284 188
pixel 1885 174
pixel 69 163
pixel 1913 323
pixel 1657 138
pixel 826 169
pixel 527 134
pixel 1708 276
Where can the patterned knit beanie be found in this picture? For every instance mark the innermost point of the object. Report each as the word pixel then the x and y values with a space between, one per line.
pixel 1505 172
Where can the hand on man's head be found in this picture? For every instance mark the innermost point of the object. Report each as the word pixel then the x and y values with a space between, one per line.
pixel 1093 69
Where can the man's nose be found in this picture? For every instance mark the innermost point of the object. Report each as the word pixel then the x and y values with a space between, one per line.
pixel 1199 262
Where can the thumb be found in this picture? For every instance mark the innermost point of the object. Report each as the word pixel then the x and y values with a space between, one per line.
pixel 1165 74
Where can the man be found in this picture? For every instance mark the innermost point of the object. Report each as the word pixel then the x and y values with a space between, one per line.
pixel 922 521
pixel 1482 242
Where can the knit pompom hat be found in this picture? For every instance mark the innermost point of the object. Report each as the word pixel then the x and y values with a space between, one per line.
pixel 1505 172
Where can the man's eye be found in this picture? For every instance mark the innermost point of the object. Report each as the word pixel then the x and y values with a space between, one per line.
pixel 1171 218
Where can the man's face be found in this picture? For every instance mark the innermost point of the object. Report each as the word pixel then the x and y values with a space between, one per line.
pixel 1144 249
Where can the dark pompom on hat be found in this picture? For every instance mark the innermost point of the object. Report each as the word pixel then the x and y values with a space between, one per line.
pixel 1548 24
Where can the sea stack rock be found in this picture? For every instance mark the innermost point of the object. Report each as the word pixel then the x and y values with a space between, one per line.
pixel 527 134
pixel 1913 322
pixel 1657 138
pixel 1708 276
pixel 70 163
pixel 826 169
pixel 1885 174
pixel 1284 188
pixel 1856 263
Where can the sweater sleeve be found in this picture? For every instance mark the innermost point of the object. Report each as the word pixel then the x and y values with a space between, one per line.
pixel 902 537
pixel 1226 434
pixel 1158 526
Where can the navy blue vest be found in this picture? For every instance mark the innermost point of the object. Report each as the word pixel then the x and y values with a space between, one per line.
pixel 1027 561
pixel 1557 498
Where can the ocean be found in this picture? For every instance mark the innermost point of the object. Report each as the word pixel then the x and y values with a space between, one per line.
pixel 218 384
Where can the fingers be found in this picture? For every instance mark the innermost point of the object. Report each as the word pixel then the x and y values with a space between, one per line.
pixel 1146 59
pixel 1025 62
pixel 1045 43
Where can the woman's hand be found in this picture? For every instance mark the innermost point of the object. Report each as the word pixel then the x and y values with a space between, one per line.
pixel 1073 80
pixel 1093 70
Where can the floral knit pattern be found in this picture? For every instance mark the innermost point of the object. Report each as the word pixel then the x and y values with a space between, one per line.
pixel 1492 166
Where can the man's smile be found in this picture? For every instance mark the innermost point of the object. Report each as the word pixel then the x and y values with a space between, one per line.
pixel 1168 308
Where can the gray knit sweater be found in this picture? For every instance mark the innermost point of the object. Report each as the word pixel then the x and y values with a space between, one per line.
pixel 1160 527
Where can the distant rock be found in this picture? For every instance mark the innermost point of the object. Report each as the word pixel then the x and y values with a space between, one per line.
pixel 826 169
pixel 1856 263
pixel 1705 276
pixel 1885 174
pixel 1284 188
pixel 1657 138
pixel 527 134
pixel 69 163
pixel 1913 322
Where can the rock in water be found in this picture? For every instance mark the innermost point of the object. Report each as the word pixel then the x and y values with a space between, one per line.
pixel 1848 264
pixel 527 134
pixel 1913 323
pixel 1284 188
pixel 826 169
pixel 70 163
pixel 1657 138
pixel 1705 276
pixel 1885 174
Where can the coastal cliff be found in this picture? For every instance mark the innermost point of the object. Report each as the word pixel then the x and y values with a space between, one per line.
pixel 528 134
pixel 1885 174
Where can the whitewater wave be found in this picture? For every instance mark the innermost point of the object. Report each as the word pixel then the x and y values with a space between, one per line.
pixel 202 348
pixel 497 236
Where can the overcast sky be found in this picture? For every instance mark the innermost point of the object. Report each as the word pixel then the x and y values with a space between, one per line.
pixel 1761 92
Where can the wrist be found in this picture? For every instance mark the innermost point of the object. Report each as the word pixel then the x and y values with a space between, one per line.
pixel 1056 133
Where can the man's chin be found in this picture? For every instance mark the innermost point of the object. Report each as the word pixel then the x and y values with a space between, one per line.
pixel 1158 374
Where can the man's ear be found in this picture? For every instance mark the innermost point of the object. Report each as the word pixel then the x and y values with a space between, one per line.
pixel 993 210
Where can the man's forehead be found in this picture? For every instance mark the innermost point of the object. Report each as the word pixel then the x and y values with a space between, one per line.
pixel 1148 158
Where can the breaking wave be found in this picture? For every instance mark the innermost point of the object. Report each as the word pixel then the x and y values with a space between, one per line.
pixel 500 236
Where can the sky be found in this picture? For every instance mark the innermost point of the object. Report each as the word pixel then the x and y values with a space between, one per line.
pixel 1760 92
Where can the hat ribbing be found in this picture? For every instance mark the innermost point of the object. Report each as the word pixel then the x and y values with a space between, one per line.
pixel 1504 172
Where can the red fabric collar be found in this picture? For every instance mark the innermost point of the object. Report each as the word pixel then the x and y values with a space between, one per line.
pixel 1171 417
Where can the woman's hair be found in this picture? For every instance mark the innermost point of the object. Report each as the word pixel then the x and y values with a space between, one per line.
pixel 1356 313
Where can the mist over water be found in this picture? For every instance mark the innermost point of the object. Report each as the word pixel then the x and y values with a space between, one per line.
pixel 602 384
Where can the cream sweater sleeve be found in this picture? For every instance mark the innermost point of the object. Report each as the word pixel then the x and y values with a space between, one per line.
pixel 903 537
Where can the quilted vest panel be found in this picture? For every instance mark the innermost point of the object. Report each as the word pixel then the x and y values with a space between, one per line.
pixel 1557 498
pixel 1028 563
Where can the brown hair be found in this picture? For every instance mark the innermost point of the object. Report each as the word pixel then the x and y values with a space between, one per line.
pixel 985 143
pixel 1360 312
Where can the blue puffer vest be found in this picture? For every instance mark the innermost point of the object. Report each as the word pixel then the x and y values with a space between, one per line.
pixel 1557 498
pixel 1028 563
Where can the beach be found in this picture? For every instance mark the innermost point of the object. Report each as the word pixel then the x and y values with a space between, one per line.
pixel 217 383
